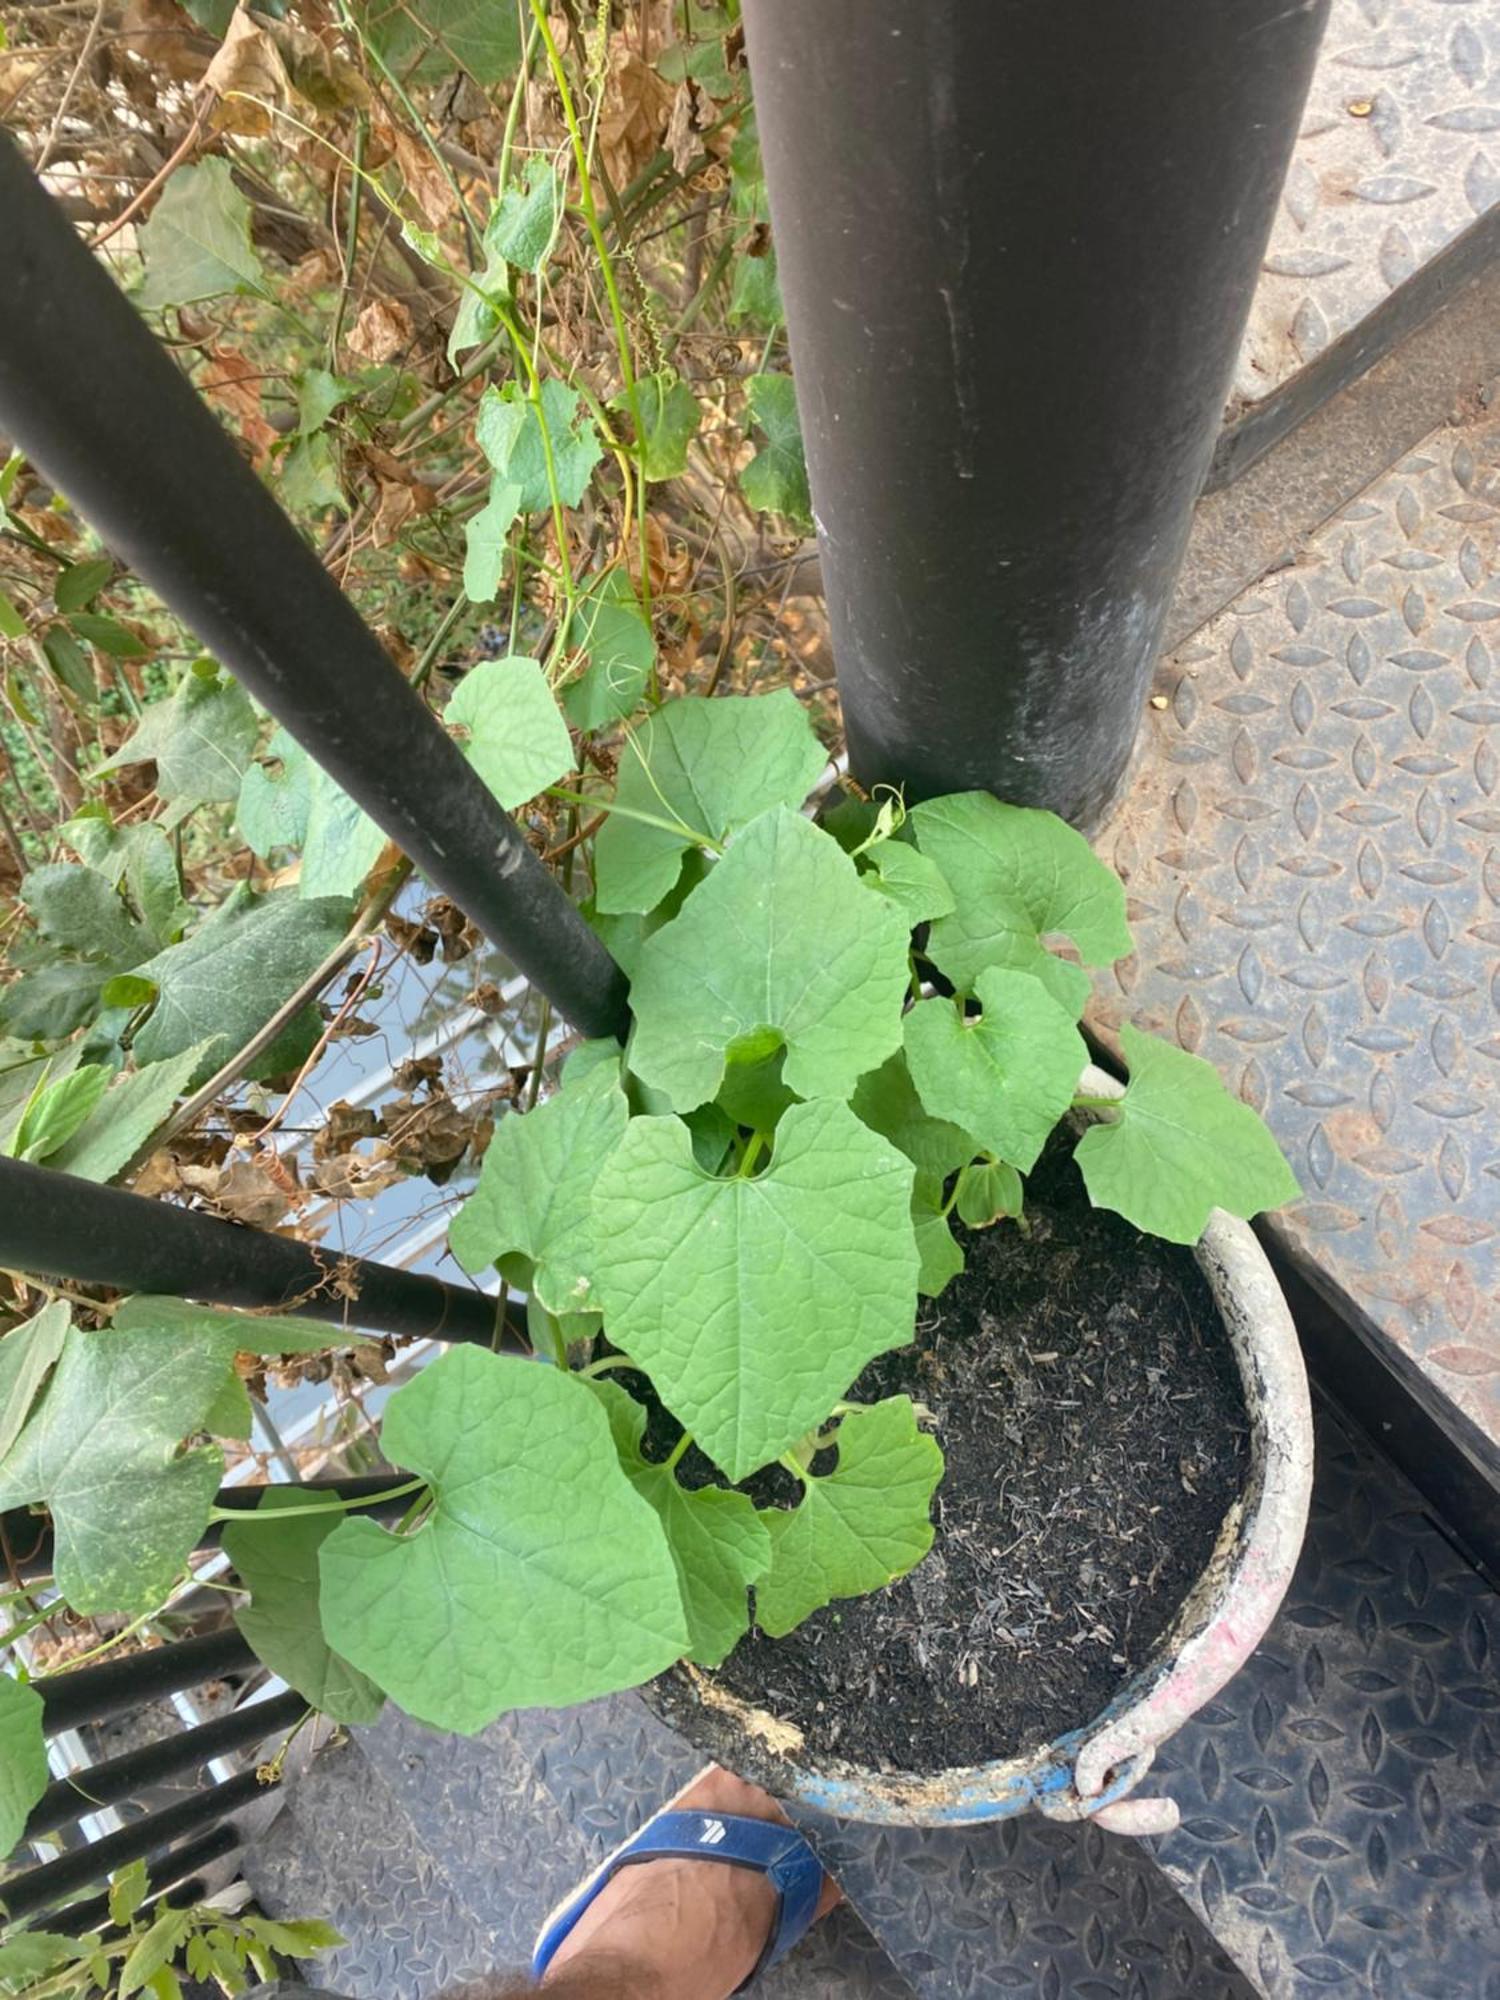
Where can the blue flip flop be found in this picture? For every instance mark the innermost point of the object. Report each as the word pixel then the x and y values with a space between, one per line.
pixel 775 1851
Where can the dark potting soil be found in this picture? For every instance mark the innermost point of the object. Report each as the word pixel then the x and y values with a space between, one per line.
pixel 1091 1418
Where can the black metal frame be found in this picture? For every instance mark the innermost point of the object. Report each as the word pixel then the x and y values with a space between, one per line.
pixel 1017 245
pixel 70 1228
pixel 89 393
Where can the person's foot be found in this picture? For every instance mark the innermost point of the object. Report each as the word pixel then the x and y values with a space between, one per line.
pixel 678 1930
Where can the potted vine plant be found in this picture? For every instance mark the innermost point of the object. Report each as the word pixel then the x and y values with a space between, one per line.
pixel 757 1334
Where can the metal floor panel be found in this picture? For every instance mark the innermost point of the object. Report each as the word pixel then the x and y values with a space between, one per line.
pixel 1398 155
pixel 1341 1800
pixel 1311 850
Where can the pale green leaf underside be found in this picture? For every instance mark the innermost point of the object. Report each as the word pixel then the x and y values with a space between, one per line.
pixel 536 1184
pixel 102 1450
pixel 611 633
pixel 201 741
pixel 754 1303
pixel 912 880
pixel 196 242
pixel 1178 1146
pixel 274 797
pixel 718 1542
pixel 782 939
pixel 1010 1074
pixel 1018 876
pixel 27 1355
pixel 234 1332
pixel 710 765
pixel 669 417
pixel 485 536
pixel 513 730
pixel 887 1101
pixel 858 1529
pixel 278 1564
pixel 340 844
pixel 940 1257
pixel 509 431
pixel 540 1578
pixel 23 1758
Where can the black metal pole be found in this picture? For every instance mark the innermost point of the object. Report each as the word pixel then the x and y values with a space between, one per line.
pixel 64 1227
pixel 1017 245
pixel 40 1887
pixel 175 1874
pixel 93 1694
pixel 127 1776
pixel 89 393
pixel 37 1560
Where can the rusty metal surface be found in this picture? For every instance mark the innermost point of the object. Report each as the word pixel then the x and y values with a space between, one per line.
pixel 1399 153
pixel 1311 848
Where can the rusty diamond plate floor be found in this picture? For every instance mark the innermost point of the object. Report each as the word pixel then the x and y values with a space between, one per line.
pixel 1311 848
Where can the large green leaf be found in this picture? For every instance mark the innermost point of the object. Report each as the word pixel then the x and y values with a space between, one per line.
pixel 712 767
pixel 23 1766
pixel 540 1577
pixel 136 1103
pixel 857 1529
pixel 535 1189
pixel 277 1561
pixel 102 1449
pixel 1018 876
pixel 196 242
pixel 1009 1073
pixel 231 975
pixel 27 1355
pixel 782 943
pixel 509 431
pixel 613 636
pixel 512 729
pixel 775 480
pixel 717 1540
pixel 753 1303
pixel 201 740
pixel 1178 1145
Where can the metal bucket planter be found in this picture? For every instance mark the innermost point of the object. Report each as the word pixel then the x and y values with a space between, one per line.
pixel 1089 1772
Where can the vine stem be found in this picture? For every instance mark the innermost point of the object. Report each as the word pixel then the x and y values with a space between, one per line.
pixel 335 1506
pixel 1086 1103
pixel 629 812
pixel 678 1451
pixel 590 212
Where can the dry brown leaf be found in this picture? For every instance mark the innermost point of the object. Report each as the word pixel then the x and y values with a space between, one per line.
pixel 691 111
pixel 318 71
pixel 248 1191
pixel 249 78
pixel 424 179
pixel 233 384
pixel 165 36
pixel 634 116
pixel 382 331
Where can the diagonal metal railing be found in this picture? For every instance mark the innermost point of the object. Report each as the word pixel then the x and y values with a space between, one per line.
pixel 91 396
